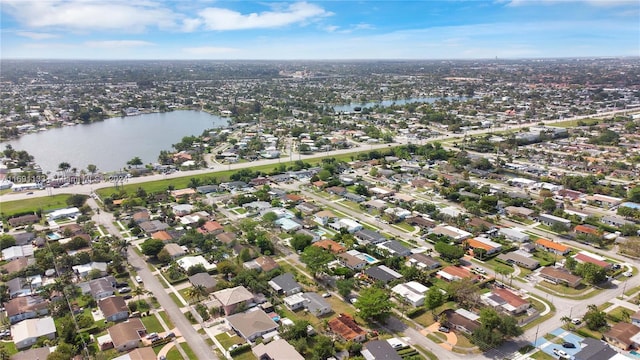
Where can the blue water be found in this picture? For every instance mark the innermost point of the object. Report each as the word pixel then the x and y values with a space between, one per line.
pixel 53 236
pixel 634 353
pixel 368 258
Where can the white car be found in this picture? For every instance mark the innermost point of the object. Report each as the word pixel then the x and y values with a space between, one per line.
pixel 138 279
pixel 576 321
pixel 560 353
pixel 628 274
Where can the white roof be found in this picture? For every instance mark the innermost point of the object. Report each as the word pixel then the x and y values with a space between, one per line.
pixel 350 223
pixel 33 328
pixel 467 314
pixel 188 261
pixel 64 212
pixel 17 252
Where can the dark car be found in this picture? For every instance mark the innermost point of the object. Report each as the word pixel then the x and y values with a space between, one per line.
pixel 121 285
pixel 568 345
pixel 127 297
pixel 443 329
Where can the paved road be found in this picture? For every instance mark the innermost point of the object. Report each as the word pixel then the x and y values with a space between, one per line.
pixel 151 283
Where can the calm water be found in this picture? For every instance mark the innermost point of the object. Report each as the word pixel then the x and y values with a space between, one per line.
pixel 385 103
pixel 109 144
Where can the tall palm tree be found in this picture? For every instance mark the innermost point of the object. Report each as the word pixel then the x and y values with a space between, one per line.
pixel 196 292
pixel 139 291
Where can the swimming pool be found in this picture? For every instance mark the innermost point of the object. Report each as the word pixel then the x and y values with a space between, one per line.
pixel 54 236
pixel 634 353
pixel 368 258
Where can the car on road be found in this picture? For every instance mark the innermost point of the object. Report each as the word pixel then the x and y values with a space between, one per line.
pixel 326 295
pixel 443 329
pixel 30 193
pixel 162 357
pixel 479 270
pixel 138 279
pixel 568 345
pixel 628 274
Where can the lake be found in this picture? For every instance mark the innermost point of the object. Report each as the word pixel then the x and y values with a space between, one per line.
pixel 385 103
pixel 109 144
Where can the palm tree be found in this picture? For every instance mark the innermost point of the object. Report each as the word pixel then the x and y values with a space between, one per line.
pixel 565 320
pixel 139 291
pixel 196 292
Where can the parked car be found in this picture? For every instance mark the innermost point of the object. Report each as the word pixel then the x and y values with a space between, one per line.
pixel 576 321
pixel 127 297
pixel 560 353
pixel 443 329
pixel 627 274
pixel 138 279
pixel 125 290
pixel 233 347
pixel 152 336
pixel 568 345
pixel 169 335
pixel 121 284
pixel 326 295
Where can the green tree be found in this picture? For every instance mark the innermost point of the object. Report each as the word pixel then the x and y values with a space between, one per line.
pixel 360 189
pixel 433 298
pixel 135 162
pixel 296 331
pixel 548 205
pixel 7 241
pixel 374 304
pixel 152 247
pixel 323 348
pixel 164 256
pixel 592 273
pixel 634 194
pixel 300 241
pixel 344 287
pixel 449 252
pixel 316 259
pixel 196 292
pixel 595 319
pixel 92 169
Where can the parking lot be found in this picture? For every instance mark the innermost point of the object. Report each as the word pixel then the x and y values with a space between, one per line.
pixel 549 347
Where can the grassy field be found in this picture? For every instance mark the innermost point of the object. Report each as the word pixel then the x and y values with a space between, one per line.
pixel 574 123
pixel 429 354
pixel 152 324
pixel 174 354
pixel 541 355
pixel 166 319
pixel 226 341
pixel 188 351
pixel 32 205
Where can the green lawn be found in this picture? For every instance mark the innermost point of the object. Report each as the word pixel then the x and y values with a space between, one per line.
pixel 162 282
pixel 574 123
pixel 152 324
pixel 9 347
pixel 405 227
pixel 429 354
pixel 617 314
pixel 174 354
pixel 226 341
pixel 247 355
pixel 166 319
pixel 580 293
pixel 176 300
pixel 188 351
pixel 44 203
pixel 541 355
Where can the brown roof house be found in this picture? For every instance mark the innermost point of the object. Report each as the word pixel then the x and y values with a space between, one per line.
pixel 26 307
pixel 126 336
pixel 558 276
pixel 204 279
pixel 233 299
pixel 114 308
pixel 346 328
pixel 252 324
pixel 621 336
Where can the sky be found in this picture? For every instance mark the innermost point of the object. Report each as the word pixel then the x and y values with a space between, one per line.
pixel 318 30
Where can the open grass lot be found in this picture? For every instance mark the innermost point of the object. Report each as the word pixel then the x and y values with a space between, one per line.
pixel 226 341
pixel 575 123
pixel 176 300
pixel 403 226
pixel 9 347
pixel 541 355
pixel 618 314
pixel 247 355
pixel 564 290
pixel 152 324
pixel 45 203
pixel 429 354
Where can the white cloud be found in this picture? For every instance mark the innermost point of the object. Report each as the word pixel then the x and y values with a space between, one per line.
pixel 81 15
pixel 36 35
pixel 117 43
pixel 225 19
pixel 208 50
pixel 331 28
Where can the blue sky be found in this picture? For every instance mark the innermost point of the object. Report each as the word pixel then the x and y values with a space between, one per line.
pixel 153 29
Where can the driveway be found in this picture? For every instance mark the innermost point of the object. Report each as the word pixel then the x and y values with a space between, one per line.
pixel 452 338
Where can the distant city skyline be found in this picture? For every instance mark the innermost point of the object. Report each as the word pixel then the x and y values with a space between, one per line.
pixel 318 30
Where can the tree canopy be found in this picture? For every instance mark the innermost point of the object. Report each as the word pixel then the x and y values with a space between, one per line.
pixel 374 304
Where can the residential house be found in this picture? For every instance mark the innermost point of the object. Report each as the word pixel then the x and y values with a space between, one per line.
pixel 462 320
pixel 594 349
pixel 514 235
pixel 307 208
pixel 520 260
pixel 20 286
pixel 379 350
pixel 84 270
pixel 26 307
pixel 635 318
pixel 316 304
pixel 24 238
pixel 143 353
pixel 188 261
pixel 345 327
pixel 226 237
pixel 504 300
pixel 32 354
pixel 174 250
pixel 114 308
pixel 452 273
pixel 491 247
pixel 17 264
pixel 421 222
pixel 27 332
pixel 330 245
pixel 233 299
pixel 394 248
pixel 251 324
pixel 101 288
pixel 352 262
pixel 452 232
pixel 289 224
pixel 211 227
pixel 554 247
pixel 263 263
pixel 149 227
pixel 126 335
pixel 422 261
pixel 285 284
pixel 366 236
pixel 205 280
pixel 382 273
pixel 588 257
pixel 182 209
pixel 615 220
pixel 23 220
pixel 604 200
pixel 294 302
pixel 16 252
pixel 551 220
pixel 560 276
pixel 162 235
pixel 324 217
pixel 587 230
pixel 207 189
pixel 412 292
pixel 520 211
pixel 278 349
pixel 141 216
pixel 620 335
pixel 351 226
